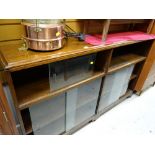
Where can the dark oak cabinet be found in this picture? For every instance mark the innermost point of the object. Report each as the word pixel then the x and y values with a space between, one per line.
pixel 59 92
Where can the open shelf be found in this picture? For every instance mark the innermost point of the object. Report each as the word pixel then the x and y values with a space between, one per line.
pixel 38 89
pixel 124 61
pixel 42 82
pixel 31 93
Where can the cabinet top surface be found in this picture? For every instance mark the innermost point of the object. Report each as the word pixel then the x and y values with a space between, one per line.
pixel 12 59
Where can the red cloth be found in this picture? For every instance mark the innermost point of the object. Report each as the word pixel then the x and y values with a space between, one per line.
pixel 118 37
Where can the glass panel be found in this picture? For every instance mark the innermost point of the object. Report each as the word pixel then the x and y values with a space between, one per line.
pixel 48 117
pixel 70 71
pixel 115 86
pixel 126 78
pixel 81 103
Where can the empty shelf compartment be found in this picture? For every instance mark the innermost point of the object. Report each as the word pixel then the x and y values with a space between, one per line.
pixel 64 73
pixel 124 61
pixel 31 84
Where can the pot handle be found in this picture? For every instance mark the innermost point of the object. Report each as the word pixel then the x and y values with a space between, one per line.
pixel 24 46
pixel 37 29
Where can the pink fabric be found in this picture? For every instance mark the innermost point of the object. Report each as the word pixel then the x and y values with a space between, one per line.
pixel 118 37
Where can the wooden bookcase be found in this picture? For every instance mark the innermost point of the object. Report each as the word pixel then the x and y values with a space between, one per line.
pixel 27 72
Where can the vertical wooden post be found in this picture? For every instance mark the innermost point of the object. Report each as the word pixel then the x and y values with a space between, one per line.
pixel 13 93
pixel 106 25
pixel 7 123
pixel 85 28
pixel 150 26
pixel 145 70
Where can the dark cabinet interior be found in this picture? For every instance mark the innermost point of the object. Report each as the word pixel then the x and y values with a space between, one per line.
pixel 46 80
pixel 70 71
pixel 123 25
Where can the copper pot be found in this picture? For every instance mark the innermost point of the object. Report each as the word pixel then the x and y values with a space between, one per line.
pixel 44 45
pixel 44 37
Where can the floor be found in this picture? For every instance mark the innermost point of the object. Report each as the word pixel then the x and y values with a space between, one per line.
pixel 135 115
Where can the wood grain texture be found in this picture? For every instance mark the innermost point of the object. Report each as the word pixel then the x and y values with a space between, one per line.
pixel 103 60
pixel 14 60
pixel 28 94
pixel 76 25
pixel 9 127
pixel 18 21
pixel 146 67
pixel 124 61
pixel 11 32
pixel 12 42
pixel 9 21
pixel 120 25
pixel 2 77
pixel 118 28
pixel 150 80
pixel 13 93
pixel 37 90
pixel 128 21
pixel 95 26
pixel 4 126
pixel 150 27
pixel 106 25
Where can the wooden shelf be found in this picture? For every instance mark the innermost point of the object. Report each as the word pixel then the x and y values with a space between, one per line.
pixel 32 91
pixel 13 60
pixel 32 85
pixel 124 61
pixel 38 90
